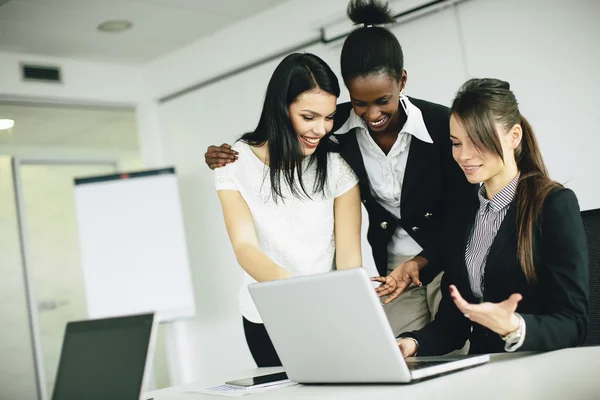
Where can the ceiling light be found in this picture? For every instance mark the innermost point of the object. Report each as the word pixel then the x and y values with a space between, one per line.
pixel 6 124
pixel 115 26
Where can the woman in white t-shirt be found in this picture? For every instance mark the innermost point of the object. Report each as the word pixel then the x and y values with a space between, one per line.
pixel 291 204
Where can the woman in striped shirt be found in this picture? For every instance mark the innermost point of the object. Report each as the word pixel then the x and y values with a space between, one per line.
pixel 515 259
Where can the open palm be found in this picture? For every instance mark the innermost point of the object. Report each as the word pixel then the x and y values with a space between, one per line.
pixel 498 317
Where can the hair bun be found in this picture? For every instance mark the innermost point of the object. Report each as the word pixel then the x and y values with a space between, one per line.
pixel 369 12
pixel 493 83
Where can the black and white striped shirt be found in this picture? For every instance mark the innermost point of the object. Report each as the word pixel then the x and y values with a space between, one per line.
pixel 489 217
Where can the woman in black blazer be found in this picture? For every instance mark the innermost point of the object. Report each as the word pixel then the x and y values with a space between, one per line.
pixel 515 259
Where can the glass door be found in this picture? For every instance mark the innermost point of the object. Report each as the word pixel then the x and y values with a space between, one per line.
pixel 54 282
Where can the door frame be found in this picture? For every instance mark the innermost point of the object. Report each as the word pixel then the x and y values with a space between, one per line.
pixel 32 307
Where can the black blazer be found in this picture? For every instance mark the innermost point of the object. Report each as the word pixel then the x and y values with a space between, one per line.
pixel 555 309
pixel 432 183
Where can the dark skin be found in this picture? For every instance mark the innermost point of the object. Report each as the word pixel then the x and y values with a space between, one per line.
pixel 219 156
pixel 374 98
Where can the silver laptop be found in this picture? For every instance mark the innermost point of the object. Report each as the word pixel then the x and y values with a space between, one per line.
pixel 108 358
pixel 331 328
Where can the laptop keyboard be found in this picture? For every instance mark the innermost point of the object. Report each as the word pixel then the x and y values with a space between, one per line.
pixel 420 364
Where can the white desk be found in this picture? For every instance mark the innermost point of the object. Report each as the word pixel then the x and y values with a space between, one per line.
pixel 563 374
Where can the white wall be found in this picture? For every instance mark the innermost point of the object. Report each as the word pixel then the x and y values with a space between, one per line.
pixel 546 49
pixel 550 53
pixel 267 33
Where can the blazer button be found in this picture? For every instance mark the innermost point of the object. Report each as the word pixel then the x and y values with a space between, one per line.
pixel 428 215
pixel 364 201
pixel 415 228
pixel 383 225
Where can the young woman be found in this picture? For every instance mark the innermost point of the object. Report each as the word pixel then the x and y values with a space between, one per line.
pixel 399 148
pixel 290 206
pixel 515 259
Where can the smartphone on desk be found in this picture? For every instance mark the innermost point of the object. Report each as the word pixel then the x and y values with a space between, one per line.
pixel 260 381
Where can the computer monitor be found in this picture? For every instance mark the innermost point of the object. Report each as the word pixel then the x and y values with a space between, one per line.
pixel 106 358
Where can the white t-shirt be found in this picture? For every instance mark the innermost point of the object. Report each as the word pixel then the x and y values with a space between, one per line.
pixel 297 233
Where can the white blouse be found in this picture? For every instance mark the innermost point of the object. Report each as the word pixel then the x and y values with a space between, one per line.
pixel 296 233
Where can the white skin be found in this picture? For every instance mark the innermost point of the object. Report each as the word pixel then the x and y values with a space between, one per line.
pixel 487 167
pixel 312 118
pixel 311 115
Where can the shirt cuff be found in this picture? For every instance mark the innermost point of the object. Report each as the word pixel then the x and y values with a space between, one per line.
pixel 514 346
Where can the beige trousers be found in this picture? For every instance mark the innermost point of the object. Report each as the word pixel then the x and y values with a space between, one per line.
pixel 417 306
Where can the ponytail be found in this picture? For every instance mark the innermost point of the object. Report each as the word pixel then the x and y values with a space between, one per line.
pixel 479 104
pixel 534 186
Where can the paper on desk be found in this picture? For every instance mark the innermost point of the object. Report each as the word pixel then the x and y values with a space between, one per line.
pixel 236 391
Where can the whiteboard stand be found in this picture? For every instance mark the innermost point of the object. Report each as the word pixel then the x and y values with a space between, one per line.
pixel 178 346
pixel 134 255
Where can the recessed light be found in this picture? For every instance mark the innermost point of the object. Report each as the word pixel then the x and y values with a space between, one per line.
pixel 6 124
pixel 115 26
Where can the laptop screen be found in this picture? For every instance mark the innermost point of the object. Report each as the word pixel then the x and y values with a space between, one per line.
pixel 104 358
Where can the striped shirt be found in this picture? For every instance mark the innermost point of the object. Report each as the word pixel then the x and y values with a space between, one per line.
pixel 489 217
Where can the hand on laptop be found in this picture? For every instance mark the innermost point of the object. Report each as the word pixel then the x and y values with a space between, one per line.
pixel 398 280
pixel 408 347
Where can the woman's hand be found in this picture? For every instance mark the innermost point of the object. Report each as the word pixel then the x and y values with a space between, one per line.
pixel 219 156
pixel 498 317
pixel 408 347
pixel 398 280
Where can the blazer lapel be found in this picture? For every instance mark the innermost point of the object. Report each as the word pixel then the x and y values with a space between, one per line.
pixel 419 161
pixel 507 230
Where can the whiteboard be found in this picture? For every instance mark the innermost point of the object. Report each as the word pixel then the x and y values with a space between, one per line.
pixel 133 247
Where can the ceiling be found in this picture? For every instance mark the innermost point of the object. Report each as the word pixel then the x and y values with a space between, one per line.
pixel 52 127
pixel 67 28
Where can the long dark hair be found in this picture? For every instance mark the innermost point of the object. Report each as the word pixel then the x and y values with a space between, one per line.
pixel 371 49
pixel 479 104
pixel 296 74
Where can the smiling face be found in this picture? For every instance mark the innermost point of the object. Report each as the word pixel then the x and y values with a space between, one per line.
pixel 374 98
pixel 311 115
pixel 483 164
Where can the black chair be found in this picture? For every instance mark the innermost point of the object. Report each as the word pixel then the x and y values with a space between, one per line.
pixel 591 224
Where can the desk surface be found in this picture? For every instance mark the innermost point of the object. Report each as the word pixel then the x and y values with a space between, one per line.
pixel 566 374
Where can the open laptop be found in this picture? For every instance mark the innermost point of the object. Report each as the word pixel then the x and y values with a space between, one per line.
pixel 106 358
pixel 331 328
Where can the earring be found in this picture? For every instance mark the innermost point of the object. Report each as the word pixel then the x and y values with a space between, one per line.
pixel 403 100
